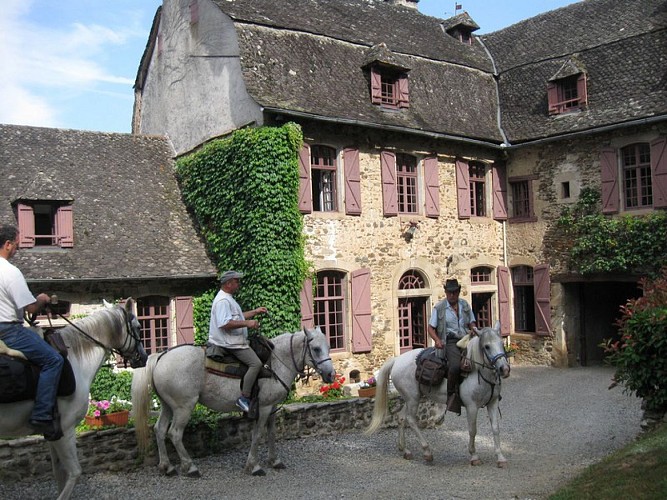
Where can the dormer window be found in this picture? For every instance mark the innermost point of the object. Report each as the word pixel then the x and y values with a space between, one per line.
pixel 461 27
pixel 45 224
pixel 462 34
pixel 566 90
pixel 389 88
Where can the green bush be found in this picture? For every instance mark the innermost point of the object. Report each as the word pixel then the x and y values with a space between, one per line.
pixel 107 383
pixel 640 356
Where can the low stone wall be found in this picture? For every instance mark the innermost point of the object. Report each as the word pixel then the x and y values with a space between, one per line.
pixel 116 449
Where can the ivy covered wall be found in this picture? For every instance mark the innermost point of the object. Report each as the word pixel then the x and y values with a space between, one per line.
pixel 243 191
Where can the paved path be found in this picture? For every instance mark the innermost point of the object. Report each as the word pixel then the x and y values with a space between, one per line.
pixel 555 423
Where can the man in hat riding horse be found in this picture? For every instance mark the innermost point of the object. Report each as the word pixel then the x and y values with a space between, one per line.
pixel 451 320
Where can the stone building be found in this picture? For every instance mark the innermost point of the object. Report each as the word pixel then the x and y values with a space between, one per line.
pixel 431 152
pixel 100 217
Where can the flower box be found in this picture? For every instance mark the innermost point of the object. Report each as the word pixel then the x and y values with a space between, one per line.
pixel 367 392
pixel 119 419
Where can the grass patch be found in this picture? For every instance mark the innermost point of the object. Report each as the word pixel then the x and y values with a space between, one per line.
pixel 638 471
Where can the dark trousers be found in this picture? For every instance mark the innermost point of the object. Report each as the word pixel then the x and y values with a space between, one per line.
pixel 453 354
pixel 250 359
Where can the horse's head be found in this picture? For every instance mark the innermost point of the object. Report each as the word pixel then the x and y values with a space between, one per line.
pixel 132 349
pixel 318 354
pixel 493 350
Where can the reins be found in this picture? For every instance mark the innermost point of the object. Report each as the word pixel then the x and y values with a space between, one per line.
pixel 491 367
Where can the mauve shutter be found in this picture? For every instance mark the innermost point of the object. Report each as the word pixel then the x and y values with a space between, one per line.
pixel 463 188
pixel 194 11
pixel 581 90
pixel 185 328
pixel 432 187
pixel 361 311
pixel 659 169
pixel 305 200
pixel 609 176
pixel 389 194
pixel 542 289
pixel 352 181
pixel 499 185
pixel 403 92
pixel 26 221
pixel 307 304
pixel 552 97
pixel 64 226
pixel 376 87
pixel 504 299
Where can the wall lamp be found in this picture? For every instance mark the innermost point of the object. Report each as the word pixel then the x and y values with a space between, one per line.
pixel 410 231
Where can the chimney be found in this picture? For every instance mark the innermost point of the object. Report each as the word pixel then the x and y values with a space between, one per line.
pixel 405 3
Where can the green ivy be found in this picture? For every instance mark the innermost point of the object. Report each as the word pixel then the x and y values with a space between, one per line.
pixel 108 383
pixel 603 244
pixel 243 192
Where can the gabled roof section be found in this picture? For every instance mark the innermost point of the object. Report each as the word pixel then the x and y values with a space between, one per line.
pixel 129 219
pixel 380 54
pixel 462 20
pixel 570 67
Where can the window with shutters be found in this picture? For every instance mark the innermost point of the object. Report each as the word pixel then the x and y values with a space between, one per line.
pixel 406 183
pixel 45 224
pixel 567 94
pixel 521 203
pixel 524 299
pixel 412 313
pixel 482 295
pixel 329 307
pixel 323 178
pixel 389 87
pixel 153 314
pixel 477 176
pixel 636 165
pixel 406 189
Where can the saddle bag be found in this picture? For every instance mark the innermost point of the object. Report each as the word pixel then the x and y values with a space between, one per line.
pixel 262 346
pixel 18 379
pixel 431 369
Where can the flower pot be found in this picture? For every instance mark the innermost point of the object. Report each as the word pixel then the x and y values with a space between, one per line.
pixel 119 419
pixel 367 392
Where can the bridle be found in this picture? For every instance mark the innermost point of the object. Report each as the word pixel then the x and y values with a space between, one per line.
pixel 307 351
pixel 497 379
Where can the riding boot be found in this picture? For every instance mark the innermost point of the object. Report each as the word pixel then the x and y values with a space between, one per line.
pixel 453 399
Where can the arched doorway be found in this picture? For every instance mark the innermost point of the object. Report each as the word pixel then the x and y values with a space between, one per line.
pixel 412 311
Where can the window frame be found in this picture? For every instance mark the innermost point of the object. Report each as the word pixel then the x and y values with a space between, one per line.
pixel 567 94
pixel 31 217
pixel 327 305
pixel 529 215
pixel 477 186
pixel 389 87
pixel 407 184
pixel 154 342
pixel 523 289
pixel 643 181
pixel 317 171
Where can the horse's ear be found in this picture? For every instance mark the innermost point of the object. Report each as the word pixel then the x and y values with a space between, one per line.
pixel 129 305
pixel 108 305
pixel 496 327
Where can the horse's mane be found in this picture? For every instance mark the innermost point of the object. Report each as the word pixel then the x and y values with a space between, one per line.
pixel 101 325
pixel 473 352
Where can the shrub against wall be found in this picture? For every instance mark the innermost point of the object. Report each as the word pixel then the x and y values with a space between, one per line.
pixel 243 191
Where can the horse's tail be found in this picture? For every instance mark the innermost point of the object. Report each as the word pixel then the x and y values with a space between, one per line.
pixel 381 399
pixel 142 380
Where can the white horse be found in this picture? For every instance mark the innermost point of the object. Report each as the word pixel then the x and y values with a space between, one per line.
pixel 180 381
pixel 480 388
pixel 89 341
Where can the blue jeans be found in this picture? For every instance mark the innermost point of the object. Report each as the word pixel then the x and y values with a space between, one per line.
pixel 43 355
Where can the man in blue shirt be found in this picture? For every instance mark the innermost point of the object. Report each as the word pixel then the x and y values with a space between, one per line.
pixel 451 320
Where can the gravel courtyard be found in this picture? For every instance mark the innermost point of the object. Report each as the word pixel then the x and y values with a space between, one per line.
pixel 554 423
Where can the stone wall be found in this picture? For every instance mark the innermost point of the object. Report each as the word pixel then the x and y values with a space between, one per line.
pixel 115 450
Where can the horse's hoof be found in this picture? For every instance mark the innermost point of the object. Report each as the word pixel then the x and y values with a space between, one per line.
pixel 194 473
pixel 502 465
pixel 428 458
pixel 259 472
pixel 170 472
pixel 407 455
pixel 279 465
pixel 476 461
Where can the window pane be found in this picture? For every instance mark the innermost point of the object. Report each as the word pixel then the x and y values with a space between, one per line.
pixel 323 173
pixel 329 307
pixel 406 183
pixel 153 316
pixel 637 186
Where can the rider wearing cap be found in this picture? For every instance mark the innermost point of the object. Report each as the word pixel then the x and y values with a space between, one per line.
pixel 229 329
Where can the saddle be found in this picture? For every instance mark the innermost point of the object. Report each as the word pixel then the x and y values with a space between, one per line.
pixel 431 369
pixel 222 362
pixel 18 376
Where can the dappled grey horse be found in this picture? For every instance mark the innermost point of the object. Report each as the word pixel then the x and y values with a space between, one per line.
pixel 479 389
pixel 180 381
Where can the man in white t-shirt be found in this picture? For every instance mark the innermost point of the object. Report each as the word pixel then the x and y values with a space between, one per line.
pixel 15 297
pixel 229 329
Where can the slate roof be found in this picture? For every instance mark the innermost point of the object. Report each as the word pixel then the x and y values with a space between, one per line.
pixel 129 220
pixel 621 44
pixel 307 56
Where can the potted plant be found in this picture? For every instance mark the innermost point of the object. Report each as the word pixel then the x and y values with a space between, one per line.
pixel 108 412
pixel 511 349
pixel 367 388
pixel 334 390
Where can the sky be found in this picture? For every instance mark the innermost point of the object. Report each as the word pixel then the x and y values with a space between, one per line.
pixel 72 63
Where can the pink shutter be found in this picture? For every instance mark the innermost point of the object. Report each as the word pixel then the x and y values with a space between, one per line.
pixel 194 11
pixel 26 221
pixel 403 92
pixel 463 188
pixel 504 299
pixel 389 194
pixel 352 181
pixel 609 177
pixel 659 169
pixel 499 185
pixel 305 200
pixel 64 227
pixel 542 290
pixel 185 328
pixel 376 87
pixel 582 93
pixel 307 304
pixel 552 97
pixel 432 187
pixel 361 311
